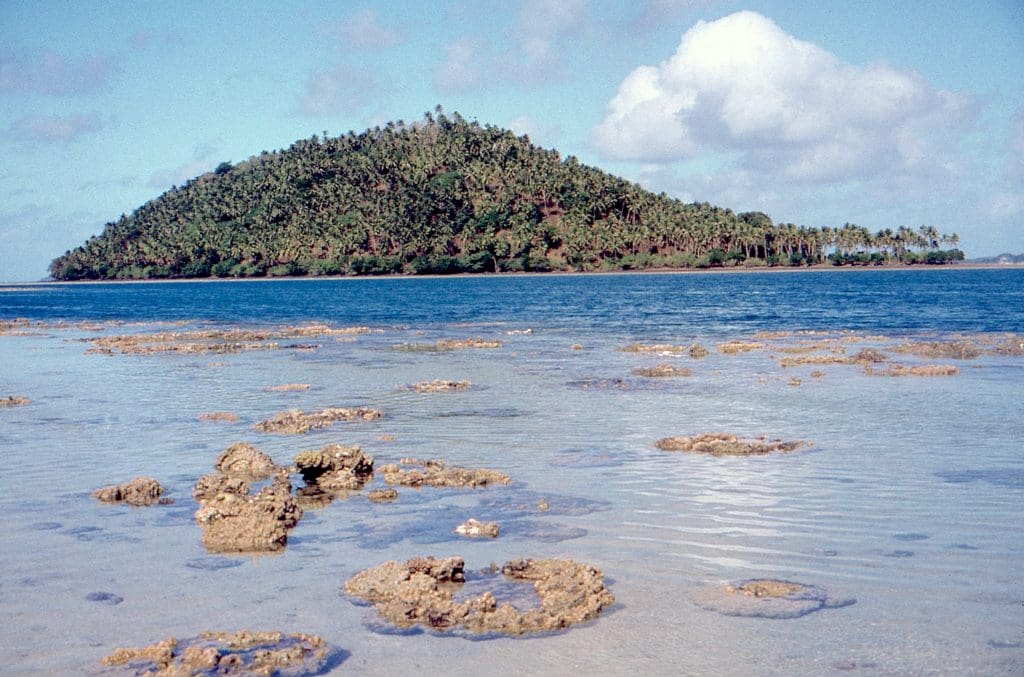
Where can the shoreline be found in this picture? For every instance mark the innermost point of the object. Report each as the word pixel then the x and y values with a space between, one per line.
pixel 738 270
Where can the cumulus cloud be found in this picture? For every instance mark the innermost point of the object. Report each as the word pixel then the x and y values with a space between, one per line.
pixel 55 128
pixel 743 85
pixel 364 30
pixel 51 74
pixel 339 90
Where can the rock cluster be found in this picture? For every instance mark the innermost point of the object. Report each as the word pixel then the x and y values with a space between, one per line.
pixel 421 592
pixel 226 653
pixel 662 371
pixel 294 421
pixel 439 386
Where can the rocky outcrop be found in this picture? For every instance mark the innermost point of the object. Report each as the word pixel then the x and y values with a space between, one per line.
pixel 421 592
pixel 473 528
pixel 335 467
pixel 245 461
pixel 294 421
pixel 226 653
pixel 724 444
pixel 140 491
pixel 250 523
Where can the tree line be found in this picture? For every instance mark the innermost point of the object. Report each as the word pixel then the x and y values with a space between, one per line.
pixel 446 195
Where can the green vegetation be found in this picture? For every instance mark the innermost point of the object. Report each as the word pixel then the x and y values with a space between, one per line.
pixel 445 195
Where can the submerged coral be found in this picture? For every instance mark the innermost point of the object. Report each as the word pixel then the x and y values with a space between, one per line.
pixel 226 416
pixel 294 421
pixel 382 495
pixel 445 345
pixel 227 653
pixel 439 386
pixel 422 592
pixel 140 491
pixel 957 350
pixel 736 347
pixel 244 523
pixel 656 348
pixel 724 444
pixel 289 387
pixel 915 370
pixel 767 598
pixel 662 371
pixel 435 473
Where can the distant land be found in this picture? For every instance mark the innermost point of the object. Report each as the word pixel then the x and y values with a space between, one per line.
pixel 445 195
pixel 1005 259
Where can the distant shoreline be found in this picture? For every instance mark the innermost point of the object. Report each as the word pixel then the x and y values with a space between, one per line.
pixel 739 270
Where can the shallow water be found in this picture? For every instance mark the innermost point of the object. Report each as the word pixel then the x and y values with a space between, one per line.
pixel 910 500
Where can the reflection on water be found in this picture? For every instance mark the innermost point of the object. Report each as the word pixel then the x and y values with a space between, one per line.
pixel 909 501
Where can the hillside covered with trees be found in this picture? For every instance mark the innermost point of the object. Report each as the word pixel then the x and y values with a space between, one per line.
pixel 444 195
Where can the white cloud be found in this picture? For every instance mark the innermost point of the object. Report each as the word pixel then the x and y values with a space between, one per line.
pixel 55 128
pixel 364 30
pixel 741 84
pixel 339 90
pixel 461 68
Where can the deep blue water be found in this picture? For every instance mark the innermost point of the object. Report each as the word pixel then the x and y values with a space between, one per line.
pixel 946 300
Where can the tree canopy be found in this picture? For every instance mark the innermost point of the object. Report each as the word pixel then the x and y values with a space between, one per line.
pixel 445 195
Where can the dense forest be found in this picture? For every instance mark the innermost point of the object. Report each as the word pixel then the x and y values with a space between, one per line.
pixel 445 195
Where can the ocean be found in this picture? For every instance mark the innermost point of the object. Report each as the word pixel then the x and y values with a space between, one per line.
pixel 908 506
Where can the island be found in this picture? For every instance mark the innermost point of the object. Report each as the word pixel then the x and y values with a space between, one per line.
pixel 446 195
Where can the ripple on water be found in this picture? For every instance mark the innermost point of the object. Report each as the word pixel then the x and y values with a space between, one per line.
pixel 213 563
pixel 1011 478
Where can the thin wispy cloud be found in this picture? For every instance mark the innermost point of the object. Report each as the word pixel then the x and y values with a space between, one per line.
pixel 51 74
pixel 340 90
pixel 55 128
pixel 461 69
pixel 364 30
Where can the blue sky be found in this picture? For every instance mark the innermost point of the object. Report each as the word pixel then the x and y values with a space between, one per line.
pixel 818 113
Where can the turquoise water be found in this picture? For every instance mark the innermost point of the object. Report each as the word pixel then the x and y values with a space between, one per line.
pixel 909 502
